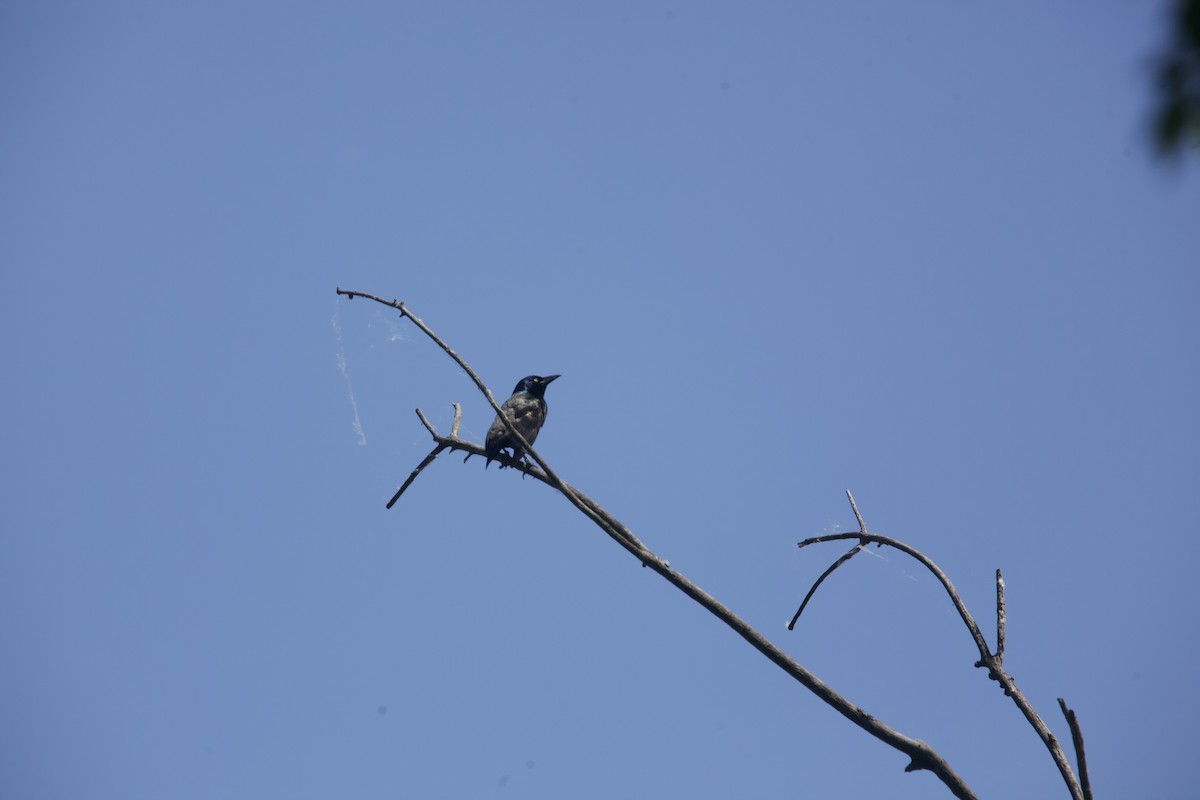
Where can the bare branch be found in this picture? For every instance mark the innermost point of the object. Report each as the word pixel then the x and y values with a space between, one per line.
pixel 472 449
pixel 921 755
pixel 457 419
pixel 1077 740
pixel 625 540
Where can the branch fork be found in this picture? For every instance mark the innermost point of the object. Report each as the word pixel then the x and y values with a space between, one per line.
pixel 1080 788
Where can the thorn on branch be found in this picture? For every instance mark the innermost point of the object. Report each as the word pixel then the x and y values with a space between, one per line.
pixel 862 526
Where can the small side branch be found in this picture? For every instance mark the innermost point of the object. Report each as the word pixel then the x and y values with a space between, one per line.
pixel 1000 619
pixel 862 526
pixel 428 425
pixel 849 554
pixel 434 453
pixel 1077 741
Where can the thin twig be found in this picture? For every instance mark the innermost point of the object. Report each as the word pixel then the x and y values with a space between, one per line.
pixel 862 526
pixel 434 453
pixel 1001 619
pixel 853 551
pixel 921 755
pixel 428 426
pixel 849 554
pixel 1077 740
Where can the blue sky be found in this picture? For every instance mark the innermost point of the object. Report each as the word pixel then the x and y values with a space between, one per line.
pixel 920 251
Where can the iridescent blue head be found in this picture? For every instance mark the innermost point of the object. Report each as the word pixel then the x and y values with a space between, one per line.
pixel 535 384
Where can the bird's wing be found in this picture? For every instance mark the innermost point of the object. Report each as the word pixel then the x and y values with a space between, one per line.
pixel 525 413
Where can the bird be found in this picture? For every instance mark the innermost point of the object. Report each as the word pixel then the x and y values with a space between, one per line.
pixel 526 409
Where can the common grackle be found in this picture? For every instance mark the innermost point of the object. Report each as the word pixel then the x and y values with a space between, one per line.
pixel 527 411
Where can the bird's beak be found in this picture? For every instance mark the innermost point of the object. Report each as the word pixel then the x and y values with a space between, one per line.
pixel 550 378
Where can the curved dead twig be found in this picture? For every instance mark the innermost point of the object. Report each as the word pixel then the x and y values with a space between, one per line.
pixel 849 554
pixel 868 538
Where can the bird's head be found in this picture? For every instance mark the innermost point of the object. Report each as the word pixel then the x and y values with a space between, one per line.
pixel 534 384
